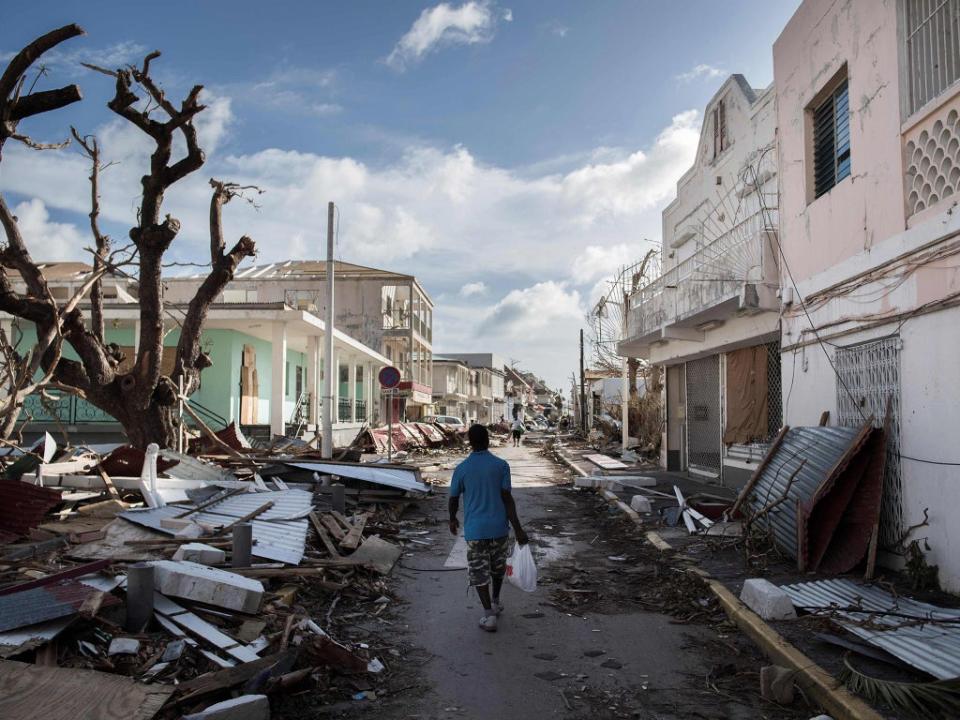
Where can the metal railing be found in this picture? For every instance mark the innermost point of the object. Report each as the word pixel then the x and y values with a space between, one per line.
pixel 211 418
pixel 360 411
pixel 714 273
pixel 344 410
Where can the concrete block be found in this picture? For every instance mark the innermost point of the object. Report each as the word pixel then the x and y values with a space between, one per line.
pixel 596 482
pixel 640 504
pixel 245 707
pixel 767 600
pixel 204 584
pixel 124 646
pixel 200 553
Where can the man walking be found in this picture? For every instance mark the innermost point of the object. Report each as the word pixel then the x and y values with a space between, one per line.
pixel 517 432
pixel 483 480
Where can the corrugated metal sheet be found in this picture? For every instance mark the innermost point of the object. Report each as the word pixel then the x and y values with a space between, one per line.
pixel 37 605
pixel 821 448
pixel 395 477
pixel 22 506
pixel 279 534
pixel 932 647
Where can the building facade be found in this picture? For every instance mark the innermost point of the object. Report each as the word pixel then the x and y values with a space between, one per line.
pixel 451 387
pixel 388 312
pixel 266 373
pixel 869 124
pixel 487 394
pixel 710 318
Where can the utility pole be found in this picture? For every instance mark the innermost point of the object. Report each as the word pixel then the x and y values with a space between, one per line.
pixel 326 448
pixel 625 385
pixel 583 391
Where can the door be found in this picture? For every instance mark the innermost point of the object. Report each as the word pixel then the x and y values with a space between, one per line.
pixel 703 416
pixel 676 418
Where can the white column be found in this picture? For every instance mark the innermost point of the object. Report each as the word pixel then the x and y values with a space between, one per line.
pixel 352 387
pixel 313 378
pixel 136 338
pixel 278 380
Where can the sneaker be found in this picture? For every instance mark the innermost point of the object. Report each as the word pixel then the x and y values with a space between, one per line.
pixel 489 623
pixel 497 607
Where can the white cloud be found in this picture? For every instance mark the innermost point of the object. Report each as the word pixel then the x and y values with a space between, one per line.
pixel 444 25
pixel 602 261
pixel 539 241
pixel 557 28
pixel 706 72
pixel 507 15
pixel 529 311
pixel 474 288
pixel 48 240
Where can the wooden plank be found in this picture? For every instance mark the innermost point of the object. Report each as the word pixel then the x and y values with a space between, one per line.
pixel 755 478
pixel 246 518
pixel 324 535
pixel 347 525
pixel 352 540
pixel 333 526
pixel 111 488
pixel 34 692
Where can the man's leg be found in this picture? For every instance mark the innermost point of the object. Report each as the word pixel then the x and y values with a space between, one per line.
pixel 498 568
pixel 478 565
pixel 483 591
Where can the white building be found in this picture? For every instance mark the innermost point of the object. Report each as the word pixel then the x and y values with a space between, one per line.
pixel 487 398
pixel 711 317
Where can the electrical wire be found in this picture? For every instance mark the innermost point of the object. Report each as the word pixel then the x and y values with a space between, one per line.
pixel 822 344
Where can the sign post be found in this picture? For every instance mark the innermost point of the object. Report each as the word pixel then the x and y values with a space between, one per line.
pixel 389 378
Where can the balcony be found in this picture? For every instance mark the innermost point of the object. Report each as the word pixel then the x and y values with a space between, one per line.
pixel 734 275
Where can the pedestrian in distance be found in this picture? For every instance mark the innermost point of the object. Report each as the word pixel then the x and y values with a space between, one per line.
pixel 517 432
pixel 483 480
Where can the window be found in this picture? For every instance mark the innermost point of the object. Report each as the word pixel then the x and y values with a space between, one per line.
pixel 720 128
pixel 299 381
pixel 931 32
pixel 831 140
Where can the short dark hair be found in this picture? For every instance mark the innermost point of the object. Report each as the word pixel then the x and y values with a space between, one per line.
pixel 479 437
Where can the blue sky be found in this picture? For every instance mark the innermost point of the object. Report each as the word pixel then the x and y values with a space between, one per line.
pixel 509 154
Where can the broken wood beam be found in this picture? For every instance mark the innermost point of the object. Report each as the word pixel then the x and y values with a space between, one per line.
pixel 324 535
pixel 352 540
pixel 333 526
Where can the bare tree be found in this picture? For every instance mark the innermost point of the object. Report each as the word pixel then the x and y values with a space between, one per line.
pixel 142 400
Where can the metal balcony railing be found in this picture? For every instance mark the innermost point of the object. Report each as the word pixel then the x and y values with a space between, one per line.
pixel 360 413
pixel 344 410
pixel 713 274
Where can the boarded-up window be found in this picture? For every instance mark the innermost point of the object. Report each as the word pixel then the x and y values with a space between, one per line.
pixel 747 407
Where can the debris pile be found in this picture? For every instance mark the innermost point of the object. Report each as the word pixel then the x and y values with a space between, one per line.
pixel 175 583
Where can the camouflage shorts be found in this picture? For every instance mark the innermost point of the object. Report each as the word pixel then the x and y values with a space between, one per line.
pixel 486 559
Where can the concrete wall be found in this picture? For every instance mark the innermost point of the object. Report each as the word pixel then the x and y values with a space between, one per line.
pixel 751 123
pixel 861 226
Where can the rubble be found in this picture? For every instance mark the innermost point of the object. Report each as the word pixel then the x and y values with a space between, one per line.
pixel 193 581
pixel 213 631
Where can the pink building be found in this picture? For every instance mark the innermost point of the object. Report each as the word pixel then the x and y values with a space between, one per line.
pixel 868 118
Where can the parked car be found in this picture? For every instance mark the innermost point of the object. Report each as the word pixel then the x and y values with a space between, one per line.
pixel 451 421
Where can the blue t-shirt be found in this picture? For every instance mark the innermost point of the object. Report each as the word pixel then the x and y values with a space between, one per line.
pixel 479 479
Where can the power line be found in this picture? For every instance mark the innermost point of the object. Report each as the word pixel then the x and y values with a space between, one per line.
pixel 822 344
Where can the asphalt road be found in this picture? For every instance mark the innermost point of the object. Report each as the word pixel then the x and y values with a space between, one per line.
pixel 542 662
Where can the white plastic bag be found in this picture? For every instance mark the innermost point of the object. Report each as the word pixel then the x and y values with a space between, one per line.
pixel 521 570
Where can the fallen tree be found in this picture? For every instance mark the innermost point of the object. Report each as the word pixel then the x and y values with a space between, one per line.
pixel 142 399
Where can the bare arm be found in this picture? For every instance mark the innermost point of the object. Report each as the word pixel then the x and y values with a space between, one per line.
pixel 511 507
pixel 454 505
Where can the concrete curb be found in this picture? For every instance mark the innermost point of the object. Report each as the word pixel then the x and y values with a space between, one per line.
pixel 815 681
